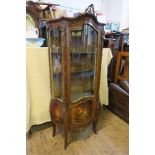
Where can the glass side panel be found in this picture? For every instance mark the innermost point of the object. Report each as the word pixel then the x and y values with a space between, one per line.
pixel 56 58
pixel 83 61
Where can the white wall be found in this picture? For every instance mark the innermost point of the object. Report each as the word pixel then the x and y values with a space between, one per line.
pixel 116 11
pixel 125 15
pixel 79 4
pixel 112 10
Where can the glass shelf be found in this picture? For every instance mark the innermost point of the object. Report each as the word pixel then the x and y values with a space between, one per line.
pixel 86 72
pixel 76 52
pixel 82 74
pixel 83 52
pixel 77 96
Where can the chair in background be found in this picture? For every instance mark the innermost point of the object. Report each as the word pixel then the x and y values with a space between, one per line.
pixel 119 89
pixel 114 42
pixel 119 99
pixel 125 40
pixel 122 67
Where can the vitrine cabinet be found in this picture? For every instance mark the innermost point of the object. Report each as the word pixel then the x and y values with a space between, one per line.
pixel 75 52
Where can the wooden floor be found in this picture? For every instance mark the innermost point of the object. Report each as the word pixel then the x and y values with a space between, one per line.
pixel 111 139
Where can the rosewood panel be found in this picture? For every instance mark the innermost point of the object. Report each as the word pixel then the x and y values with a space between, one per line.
pixel 81 113
pixel 57 111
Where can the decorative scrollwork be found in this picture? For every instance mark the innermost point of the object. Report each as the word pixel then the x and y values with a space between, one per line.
pixel 90 9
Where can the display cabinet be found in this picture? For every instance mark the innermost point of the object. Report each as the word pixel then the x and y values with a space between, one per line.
pixel 75 52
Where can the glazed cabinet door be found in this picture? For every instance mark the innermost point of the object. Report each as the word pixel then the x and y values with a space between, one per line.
pixel 82 75
pixel 83 50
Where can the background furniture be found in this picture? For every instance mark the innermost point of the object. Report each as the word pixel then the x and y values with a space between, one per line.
pixel 75 50
pixel 113 41
pixel 119 99
pixel 117 41
pixel 122 67
pixel 34 10
pixel 119 89
pixel 40 12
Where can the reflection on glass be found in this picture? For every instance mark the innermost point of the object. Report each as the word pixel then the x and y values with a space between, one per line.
pixel 56 56
pixel 83 56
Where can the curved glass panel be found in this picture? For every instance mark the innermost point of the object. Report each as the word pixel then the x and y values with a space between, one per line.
pixel 56 58
pixel 83 61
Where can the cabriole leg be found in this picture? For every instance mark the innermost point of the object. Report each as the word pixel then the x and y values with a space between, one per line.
pixel 94 127
pixel 65 140
pixel 54 129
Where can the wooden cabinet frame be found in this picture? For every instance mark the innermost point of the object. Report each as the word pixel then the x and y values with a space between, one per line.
pixel 65 113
